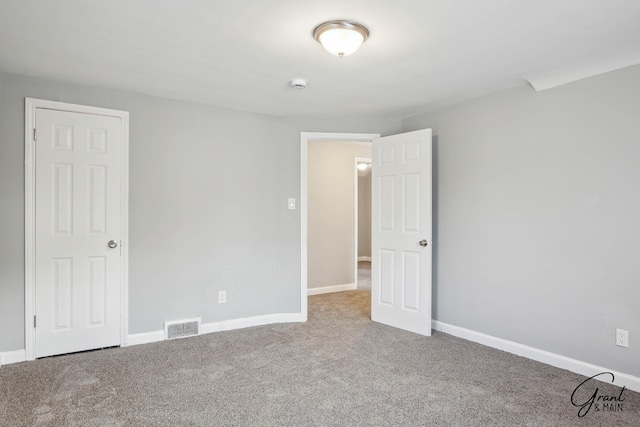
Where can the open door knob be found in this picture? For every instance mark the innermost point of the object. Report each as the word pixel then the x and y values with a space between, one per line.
pixel 423 243
pixel 112 244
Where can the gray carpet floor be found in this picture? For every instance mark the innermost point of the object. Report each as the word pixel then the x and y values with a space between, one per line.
pixel 364 276
pixel 338 369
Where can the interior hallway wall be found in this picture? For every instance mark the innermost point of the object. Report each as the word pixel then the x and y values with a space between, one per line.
pixel 364 215
pixel 331 211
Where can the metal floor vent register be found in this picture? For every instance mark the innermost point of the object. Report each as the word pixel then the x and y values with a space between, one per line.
pixel 181 328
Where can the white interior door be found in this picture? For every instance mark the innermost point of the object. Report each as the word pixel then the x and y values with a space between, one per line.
pixel 401 238
pixel 78 231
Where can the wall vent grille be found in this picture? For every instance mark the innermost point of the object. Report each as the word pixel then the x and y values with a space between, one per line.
pixel 181 328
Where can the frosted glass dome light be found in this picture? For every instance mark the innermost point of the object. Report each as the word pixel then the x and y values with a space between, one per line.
pixel 341 37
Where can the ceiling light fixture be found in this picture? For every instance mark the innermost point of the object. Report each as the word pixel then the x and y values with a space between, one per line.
pixel 363 166
pixel 341 37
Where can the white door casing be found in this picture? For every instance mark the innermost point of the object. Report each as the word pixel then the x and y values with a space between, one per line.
pixel 401 235
pixel 76 204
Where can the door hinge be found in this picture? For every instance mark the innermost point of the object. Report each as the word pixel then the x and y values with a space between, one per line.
pixel 34 321
pixel 35 134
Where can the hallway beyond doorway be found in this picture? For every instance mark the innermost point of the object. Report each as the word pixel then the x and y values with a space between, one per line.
pixel 364 275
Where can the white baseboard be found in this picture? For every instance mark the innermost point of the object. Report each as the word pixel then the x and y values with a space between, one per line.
pixel 330 289
pixel 587 369
pixel 229 325
pixel 225 325
pixel 9 357
pixel 145 337
pixel 364 258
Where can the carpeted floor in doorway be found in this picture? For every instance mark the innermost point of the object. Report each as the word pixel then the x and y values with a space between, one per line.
pixel 338 369
pixel 364 275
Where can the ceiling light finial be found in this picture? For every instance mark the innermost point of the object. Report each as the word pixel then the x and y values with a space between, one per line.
pixel 341 37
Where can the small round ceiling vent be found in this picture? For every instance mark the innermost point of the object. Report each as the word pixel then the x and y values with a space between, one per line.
pixel 298 83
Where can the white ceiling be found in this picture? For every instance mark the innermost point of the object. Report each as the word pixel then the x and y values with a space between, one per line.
pixel 422 54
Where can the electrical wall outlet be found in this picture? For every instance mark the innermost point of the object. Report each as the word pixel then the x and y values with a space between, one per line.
pixel 622 338
pixel 222 297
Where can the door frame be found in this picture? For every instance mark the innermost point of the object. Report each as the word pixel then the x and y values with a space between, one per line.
pixel 31 105
pixel 356 203
pixel 305 138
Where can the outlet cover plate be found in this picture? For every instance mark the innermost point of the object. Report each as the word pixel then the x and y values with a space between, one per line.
pixel 622 338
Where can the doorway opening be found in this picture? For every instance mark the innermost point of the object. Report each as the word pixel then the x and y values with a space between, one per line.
pixel 323 140
pixel 362 222
pixel 401 238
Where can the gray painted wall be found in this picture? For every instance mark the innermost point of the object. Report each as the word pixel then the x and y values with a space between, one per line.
pixel 536 217
pixel 330 218
pixel 208 199
pixel 535 211
pixel 364 215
